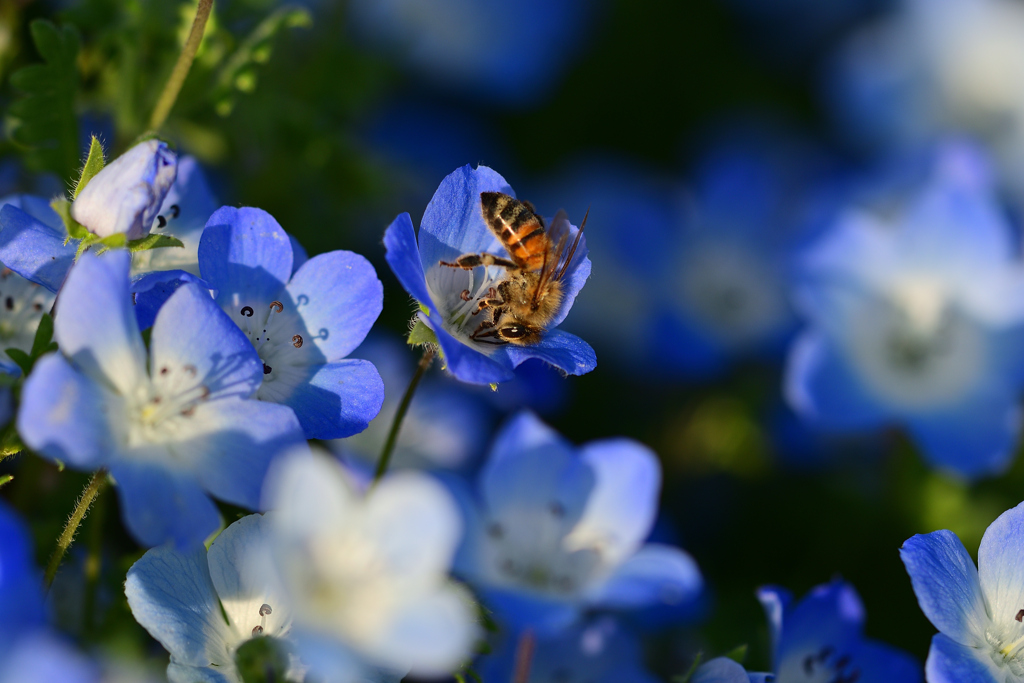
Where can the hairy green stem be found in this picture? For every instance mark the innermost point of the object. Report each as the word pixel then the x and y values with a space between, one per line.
pixel 403 408
pixel 181 68
pixel 85 501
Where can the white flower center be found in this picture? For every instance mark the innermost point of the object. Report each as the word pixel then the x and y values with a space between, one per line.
pixel 824 665
pixel 456 294
pixel 22 305
pixel 276 332
pixel 1007 643
pixel 157 409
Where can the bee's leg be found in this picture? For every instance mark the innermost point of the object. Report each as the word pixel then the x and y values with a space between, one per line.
pixel 487 303
pixel 471 261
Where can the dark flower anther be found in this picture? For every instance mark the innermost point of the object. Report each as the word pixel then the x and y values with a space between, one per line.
pixel 247 311
pixel 297 341
pixel 276 306
pixel 175 210
pixel 161 222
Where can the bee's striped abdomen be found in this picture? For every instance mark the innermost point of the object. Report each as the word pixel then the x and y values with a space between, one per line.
pixel 518 229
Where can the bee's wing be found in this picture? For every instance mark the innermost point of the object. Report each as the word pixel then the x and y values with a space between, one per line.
pixel 571 256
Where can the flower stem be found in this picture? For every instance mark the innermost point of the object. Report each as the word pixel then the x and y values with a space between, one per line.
pixel 524 656
pixel 181 68
pixel 85 501
pixel 403 408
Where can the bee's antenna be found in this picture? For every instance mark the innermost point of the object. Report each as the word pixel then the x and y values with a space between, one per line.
pixel 576 242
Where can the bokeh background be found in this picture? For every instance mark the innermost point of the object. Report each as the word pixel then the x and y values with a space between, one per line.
pixel 336 116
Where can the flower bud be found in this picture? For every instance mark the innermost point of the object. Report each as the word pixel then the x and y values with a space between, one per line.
pixel 126 195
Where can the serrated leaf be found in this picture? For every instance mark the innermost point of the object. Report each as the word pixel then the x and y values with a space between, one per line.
pixel 86 242
pixel 738 654
pixel 76 231
pixel 685 678
pixel 44 117
pixel 23 360
pixel 94 163
pixel 44 335
pixel 239 72
pixel 421 334
pixel 154 242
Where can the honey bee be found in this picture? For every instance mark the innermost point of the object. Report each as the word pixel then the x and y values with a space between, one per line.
pixel 526 299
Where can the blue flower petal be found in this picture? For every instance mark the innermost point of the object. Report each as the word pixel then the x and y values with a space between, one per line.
pixel 469 364
pixel 172 596
pixel 34 250
pixel 720 670
pixel 951 662
pixel 338 400
pixel 777 603
pixel 42 658
pixel 1001 566
pixel 158 505
pixel 976 439
pixel 403 256
pixel 299 255
pixel 831 615
pixel 19 584
pixel 339 298
pixel 63 415
pixel 234 442
pixel 178 673
pixel 95 324
pixel 245 252
pixel 453 223
pixel 565 351
pixel 946 583
pixel 655 574
pixel 822 387
pixel 191 331
pixel 879 662
pixel 517 610
pixel 152 290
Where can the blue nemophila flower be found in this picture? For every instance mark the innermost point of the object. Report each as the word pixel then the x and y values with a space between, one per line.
pixel 818 640
pixel 126 195
pixel 978 611
pixel 557 530
pixel 171 425
pixel 29 652
pixel 366 573
pixel 916 319
pixel 202 606
pixel 302 322
pixel 599 650
pixel 453 225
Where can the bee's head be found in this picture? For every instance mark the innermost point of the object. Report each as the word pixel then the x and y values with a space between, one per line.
pixel 520 333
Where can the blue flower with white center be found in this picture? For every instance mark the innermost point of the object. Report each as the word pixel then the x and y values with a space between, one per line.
pixel 979 611
pixel 366 573
pixel 126 195
pixel 171 425
pixel 599 650
pixel 916 320
pixel 818 640
pixel 454 225
pixel 302 321
pixel 555 531
pixel 202 606
pixel 29 652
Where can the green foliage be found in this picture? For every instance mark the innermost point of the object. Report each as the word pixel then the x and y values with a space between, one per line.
pixel 6 479
pixel 421 334
pixel 43 119
pixel 154 241
pixel 42 344
pixel 685 678
pixel 738 654
pixel 262 660
pixel 76 231
pixel 94 163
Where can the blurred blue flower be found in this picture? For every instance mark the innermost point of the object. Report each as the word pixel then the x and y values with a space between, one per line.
pixel 29 652
pixel 819 639
pixel 453 225
pixel 916 319
pixel 506 52
pixel 202 606
pixel 366 573
pixel 598 650
pixel 978 611
pixel 303 321
pixel 554 530
pixel 170 429
pixel 446 426
pixel 126 195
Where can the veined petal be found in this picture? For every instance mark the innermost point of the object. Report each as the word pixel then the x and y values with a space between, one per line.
pixel 720 670
pixel 245 251
pixel 524 431
pixel 95 324
pixel 179 673
pixel 468 364
pixel 831 615
pixel 655 574
pixel 951 662
pixel 565 351
pixel 1001 566
pixel 192 331
pixel 404 258
pixel 158 505
pixel 339 298
pixel 978 438
pixel 150 291
pixel 335 400
pixel 624 501
pixel 63 415
pixel 171 595
pixel 299 255
pixel 34 250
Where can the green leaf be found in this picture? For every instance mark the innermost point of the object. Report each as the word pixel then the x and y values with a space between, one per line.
pixel 240 72
pixel 86 242
pixel 115 241
pixel 154 241
pixel 94 163
pixel 685 678
pixel 421 334
pixel 44 335
pixel 262 660
pixel 738 654
pixel 23 360
pixel 76 231
pixel 43 119
pixel 6 479
pixel 424 310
